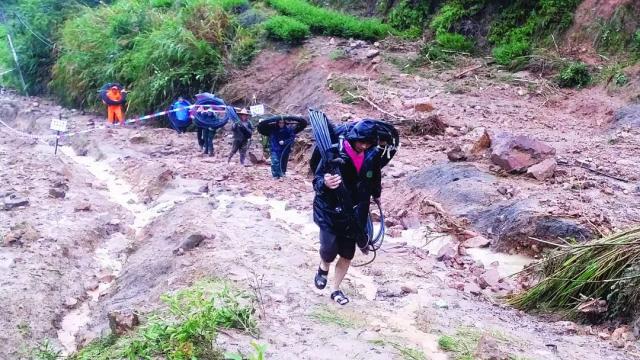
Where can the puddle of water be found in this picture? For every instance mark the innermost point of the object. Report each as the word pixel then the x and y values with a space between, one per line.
pixel 70 326
pixel 278 210
pixel 508 264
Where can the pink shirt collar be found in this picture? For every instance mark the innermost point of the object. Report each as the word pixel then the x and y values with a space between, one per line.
pixel 356 158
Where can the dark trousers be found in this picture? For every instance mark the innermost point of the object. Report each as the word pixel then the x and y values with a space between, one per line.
pixel 279 160
pixel 239 146
pixel 207 138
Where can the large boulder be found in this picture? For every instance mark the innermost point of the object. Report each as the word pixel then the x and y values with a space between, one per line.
pixel 517 153
pixel 472 194
pixel 627 116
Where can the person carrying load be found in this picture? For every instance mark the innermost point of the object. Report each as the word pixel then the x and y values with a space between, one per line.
pixel 207 119
pixel 179 116
pixel 242 131
pixel 114 96
pixel 346 177
pixel 281 131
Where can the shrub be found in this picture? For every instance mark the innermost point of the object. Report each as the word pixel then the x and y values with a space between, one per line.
pixel 453 41
pixel 447 16
pixel 186 328
pixel 329 22
pixel 286 29
pixel 156 54
pixel 574 75
pixel 406 16
pixel 507 53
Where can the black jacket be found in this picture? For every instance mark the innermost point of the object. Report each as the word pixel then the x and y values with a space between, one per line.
pixel 242 131
pixel 329 212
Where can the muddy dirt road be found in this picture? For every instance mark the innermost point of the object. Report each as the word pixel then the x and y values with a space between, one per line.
pixel 133 197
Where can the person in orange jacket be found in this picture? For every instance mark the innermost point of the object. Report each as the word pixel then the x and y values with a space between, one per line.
pixel 114 111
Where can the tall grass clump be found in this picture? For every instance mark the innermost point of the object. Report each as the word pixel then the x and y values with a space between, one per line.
pixel 573 75
pixel 605 269
pixel 287 29
pixel 9 79
pixel 32 25
pixel 158 53
pixel 330 22
pixel 186 328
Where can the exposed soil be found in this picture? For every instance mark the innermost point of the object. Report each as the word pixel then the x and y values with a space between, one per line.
pixel 145 188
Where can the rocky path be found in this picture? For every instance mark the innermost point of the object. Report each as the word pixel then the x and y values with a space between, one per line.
pixel 151 193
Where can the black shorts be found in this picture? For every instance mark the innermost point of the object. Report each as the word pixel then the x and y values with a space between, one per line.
pixel 332 245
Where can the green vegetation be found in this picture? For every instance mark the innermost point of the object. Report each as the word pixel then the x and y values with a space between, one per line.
pixel 345 87
pixel 45 351
pixel 604 269
pixel 409 17
pixel 157 53
pixel 455 42
pixel 259 353
pixel 462 344
pixel 33 24
pixel 448 15
pixel 574 75
pixel 337 54
pixel 327 315
pixel 185 329
pixel 407 353
pixel 286 29
pixel 330 22
pixel 523 23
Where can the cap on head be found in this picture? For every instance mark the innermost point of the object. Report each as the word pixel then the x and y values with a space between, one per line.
pixel 244 111
pixel 364 130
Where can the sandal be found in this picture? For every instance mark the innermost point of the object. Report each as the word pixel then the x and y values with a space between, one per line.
pixel 321 278
pixel 339 297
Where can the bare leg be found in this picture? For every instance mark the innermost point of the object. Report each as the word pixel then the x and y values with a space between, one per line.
pixel 324 265
pixel 342 265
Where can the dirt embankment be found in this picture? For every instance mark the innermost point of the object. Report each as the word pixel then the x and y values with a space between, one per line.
pixel 153 191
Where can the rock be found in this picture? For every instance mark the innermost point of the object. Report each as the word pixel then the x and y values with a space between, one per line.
pixel 420 104
pixel 566 327
pixel 446 252
pixel 20 234
pixel 489 279
pixel 410 221
pixel 472 288
pixel 256 157
pixel 408 289
pixel 203 189
pixel 628 116
pixel 107 278
pixel 372 53
pixel 83 206
pixel 57 193
pixel 476 242
pixel 14 202
pixel 604 336
pixel 618 344
pixel 70 302
pixel 543 170
pixel 394 233
pixel 122 321
pixel 91 285
pixel 488 349
pixel 620 333
pixel 456 154
pixel 517 153
pixel 138 139
pixel 192 242
pixel 375 60
pixel 441 304
pixel 476 141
